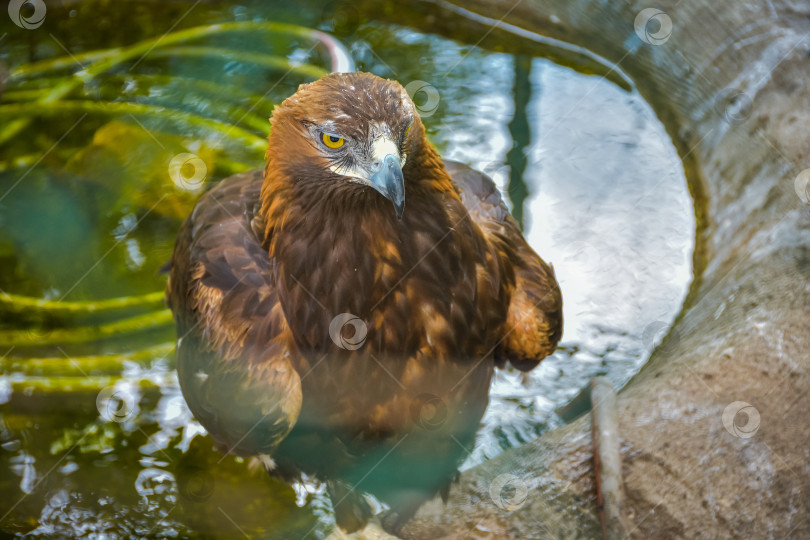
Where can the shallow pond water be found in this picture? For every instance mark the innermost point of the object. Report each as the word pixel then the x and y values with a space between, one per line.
pixel 95 438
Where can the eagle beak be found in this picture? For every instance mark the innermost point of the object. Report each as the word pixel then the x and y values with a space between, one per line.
pixel 388 180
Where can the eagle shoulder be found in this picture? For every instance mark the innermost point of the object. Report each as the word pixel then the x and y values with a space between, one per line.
pixel 534 320
pixel 234 344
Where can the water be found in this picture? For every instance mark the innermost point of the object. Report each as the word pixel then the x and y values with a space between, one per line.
pixel 95 439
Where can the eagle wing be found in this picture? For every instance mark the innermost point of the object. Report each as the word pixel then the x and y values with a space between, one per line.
pixel 534 321
pixel 234 346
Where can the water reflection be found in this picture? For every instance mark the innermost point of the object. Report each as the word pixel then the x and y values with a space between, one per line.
pixel 608 206
pixel 520 131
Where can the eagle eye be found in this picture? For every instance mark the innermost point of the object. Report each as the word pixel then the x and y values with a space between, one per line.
pixel 332 141
pixel 407 130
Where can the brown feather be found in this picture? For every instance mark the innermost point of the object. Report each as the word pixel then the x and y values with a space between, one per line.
pixel 534 323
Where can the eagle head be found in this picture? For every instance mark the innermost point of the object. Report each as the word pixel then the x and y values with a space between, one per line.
pixel 345 130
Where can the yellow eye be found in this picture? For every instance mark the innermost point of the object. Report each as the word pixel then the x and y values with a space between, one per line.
pixel 407 130
pixel 332 141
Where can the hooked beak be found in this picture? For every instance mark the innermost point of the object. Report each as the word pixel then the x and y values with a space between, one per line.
pixel 388 180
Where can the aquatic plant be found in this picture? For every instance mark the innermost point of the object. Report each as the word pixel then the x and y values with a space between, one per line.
pixel 184 112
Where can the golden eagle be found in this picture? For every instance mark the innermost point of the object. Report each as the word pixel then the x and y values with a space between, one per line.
pixel 343 311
